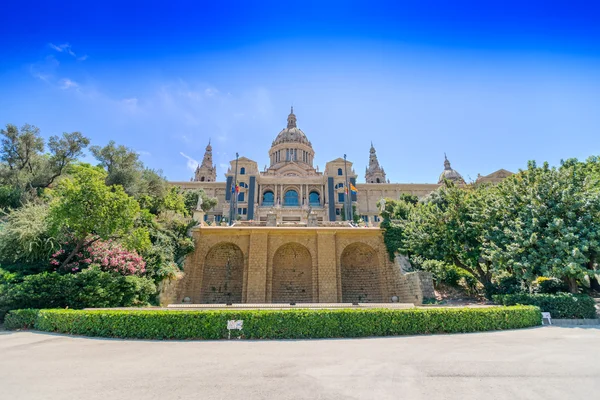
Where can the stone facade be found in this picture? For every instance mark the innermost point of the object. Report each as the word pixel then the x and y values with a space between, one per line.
pixel 294 265
pixel 291 188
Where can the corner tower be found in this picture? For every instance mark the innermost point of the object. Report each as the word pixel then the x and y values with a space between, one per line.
pixel 206 172
pixel 374 173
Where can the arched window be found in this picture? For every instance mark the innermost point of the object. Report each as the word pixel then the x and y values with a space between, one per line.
pixel 244 185
pixel 378 180
pixel 242 171
pixel 340 171
pixel 314 199
pixel 268 199
pixel 290 199
pixel 202 179
pixel 339 185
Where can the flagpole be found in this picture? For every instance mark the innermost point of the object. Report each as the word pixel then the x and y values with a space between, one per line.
pixel 234 200
pixel 347 194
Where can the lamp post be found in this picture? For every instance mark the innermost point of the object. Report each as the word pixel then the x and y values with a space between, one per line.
pixel 234 198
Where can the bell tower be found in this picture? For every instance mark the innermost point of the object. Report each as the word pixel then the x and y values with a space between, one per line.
pixel 374 173
pixel 206 172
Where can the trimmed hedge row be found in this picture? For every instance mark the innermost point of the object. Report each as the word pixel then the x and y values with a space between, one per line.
pixel 284 324
pixel 20 319
pixel 561 305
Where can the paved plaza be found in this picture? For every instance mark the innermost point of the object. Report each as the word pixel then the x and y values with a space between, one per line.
pixel 538 363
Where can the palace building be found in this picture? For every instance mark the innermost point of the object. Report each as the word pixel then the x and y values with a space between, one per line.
pixel 287 242
pixel 290 186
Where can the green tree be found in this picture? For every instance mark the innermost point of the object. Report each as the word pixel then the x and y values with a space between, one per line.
pixel 191 200
pixel 451 226
pixel 87 209
pixel 549 223
pixel 24 167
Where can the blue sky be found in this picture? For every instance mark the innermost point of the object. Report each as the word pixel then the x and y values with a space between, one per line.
pixel 492 84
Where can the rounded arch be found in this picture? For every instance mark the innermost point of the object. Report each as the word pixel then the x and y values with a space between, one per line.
pixel 290 198
pixel 361 277
pixel 223 274
pixel 314 198
pixel 292 274
pixel 268 198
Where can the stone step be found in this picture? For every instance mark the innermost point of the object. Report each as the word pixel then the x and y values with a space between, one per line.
pixel 280 306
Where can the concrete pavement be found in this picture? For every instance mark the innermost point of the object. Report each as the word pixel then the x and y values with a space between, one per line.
pixel 538 363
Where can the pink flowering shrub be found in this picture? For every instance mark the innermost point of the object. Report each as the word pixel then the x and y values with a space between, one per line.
pixel 109 255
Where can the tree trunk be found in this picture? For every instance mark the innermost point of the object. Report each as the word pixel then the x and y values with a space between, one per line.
pixel 75 251
pixel 572 282
pixel 594 284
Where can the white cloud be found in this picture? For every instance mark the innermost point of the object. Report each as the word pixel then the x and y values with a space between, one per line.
pixel 143 153
pixel 66 48
pixel 67 83
pixel 191 163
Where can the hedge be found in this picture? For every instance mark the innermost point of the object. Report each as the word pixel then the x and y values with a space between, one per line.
pixel 20 319
pixel 284 324
pixel 562 305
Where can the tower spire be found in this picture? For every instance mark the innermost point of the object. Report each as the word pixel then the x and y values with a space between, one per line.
pixel 374 172
pixel 291 119
pixel 206 172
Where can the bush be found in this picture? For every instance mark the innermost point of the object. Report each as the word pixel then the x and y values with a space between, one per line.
pixel 284 324
pixel 20 319
pixel 448 274
pixel 563 305
pixel 508 285
pixel 89 288
pixel 549 285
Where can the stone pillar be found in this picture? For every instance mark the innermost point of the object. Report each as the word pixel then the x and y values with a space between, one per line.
pixel 256 289
pixel 328 288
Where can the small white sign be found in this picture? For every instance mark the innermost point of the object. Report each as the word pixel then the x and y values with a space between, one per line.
pixel 546 316
pixel 233 324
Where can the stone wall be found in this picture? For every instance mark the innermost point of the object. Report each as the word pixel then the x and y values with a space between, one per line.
pixel 223 275
pixel 361 280
pixel 303 264
pixel 292 275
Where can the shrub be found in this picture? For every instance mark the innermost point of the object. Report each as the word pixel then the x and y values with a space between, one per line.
pixel 25 237
pixel 549 285
pixel 508 285
pixel 563 305
pixel 20 319
pixel 108 255
pixel 284 324
pixel 89 288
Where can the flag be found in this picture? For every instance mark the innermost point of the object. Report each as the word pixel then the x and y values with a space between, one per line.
pixel 237 187
pixel 353 189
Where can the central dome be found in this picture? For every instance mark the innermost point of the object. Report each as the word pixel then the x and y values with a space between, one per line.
pixel 291 134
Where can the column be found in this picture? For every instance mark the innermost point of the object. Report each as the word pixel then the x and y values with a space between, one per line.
pixel 256 289
pixel 327 267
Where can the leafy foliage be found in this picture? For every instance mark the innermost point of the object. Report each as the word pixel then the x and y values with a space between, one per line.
pixel 563 305
pixel 550 223
pixel 108 255
pixel 86 208
pixel 21 319
pixel 285 324
pixel 89 288
pixel 25 168
pixel 25 236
